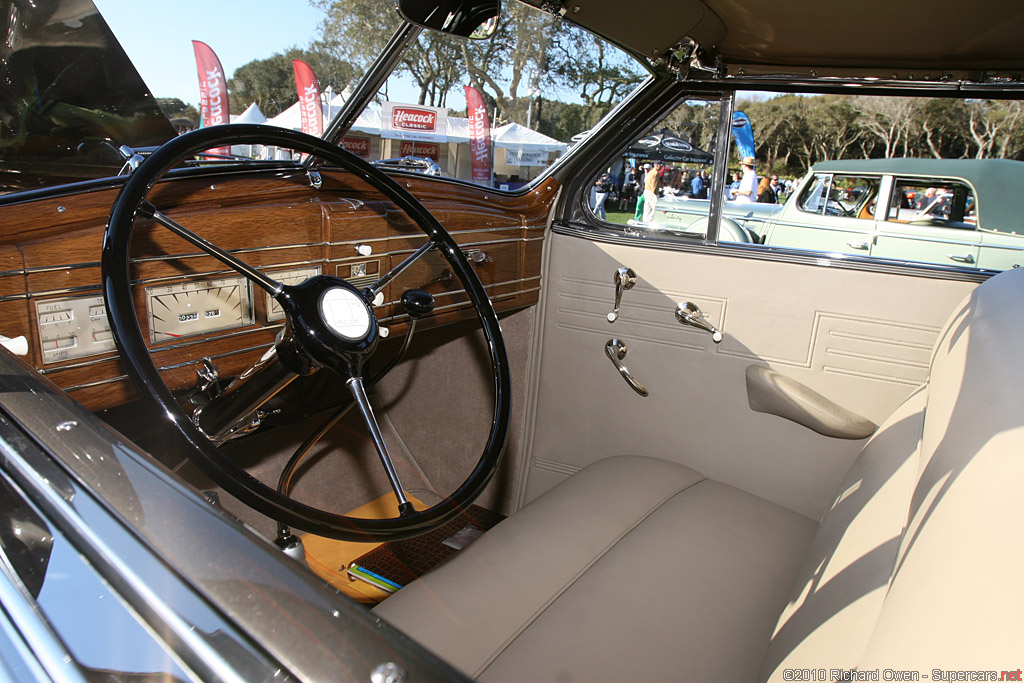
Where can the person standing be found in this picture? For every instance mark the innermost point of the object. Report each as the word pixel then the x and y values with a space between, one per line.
pixel 603 187
pixel 651 191
pixel 766 192
pixel 733 186
pixel 747 191
pixel 698 188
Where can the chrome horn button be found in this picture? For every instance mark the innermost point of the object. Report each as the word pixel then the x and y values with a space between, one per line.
pixel 345 313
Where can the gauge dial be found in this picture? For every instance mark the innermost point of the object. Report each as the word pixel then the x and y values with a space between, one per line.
pixel 288 277
pixel 198 307
pixel 73 327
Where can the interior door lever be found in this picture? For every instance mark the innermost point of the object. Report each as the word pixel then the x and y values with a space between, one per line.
pixel 625 278
pixel 687 313
pixel 616 351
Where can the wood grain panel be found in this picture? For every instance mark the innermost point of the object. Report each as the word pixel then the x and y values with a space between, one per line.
pixel 272 220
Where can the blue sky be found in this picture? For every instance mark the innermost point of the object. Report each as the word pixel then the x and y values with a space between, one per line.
pixel 157 36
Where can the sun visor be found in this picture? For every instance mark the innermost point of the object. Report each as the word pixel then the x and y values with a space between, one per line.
pixel 637 27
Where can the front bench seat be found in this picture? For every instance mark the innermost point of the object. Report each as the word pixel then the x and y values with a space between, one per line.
pixel 640 569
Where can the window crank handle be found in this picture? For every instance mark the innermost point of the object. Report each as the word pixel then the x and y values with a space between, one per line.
pixel 625 278
pixel 687 313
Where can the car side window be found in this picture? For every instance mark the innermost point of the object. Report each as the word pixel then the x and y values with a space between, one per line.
pixel 938 203
pixel 840 195
pixel 660 185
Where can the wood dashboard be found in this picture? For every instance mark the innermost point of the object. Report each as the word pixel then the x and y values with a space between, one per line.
pixel 50 264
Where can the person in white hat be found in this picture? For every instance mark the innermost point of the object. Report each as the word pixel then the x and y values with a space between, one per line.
pixel 747 191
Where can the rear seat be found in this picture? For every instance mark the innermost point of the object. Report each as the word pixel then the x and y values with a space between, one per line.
pixel 641 569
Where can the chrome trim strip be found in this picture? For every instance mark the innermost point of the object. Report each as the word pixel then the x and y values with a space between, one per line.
pixel 113 356
pixel 44 647
pixel 768 253
pixel 183 364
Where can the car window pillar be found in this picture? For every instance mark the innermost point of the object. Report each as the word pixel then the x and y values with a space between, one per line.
pixel 720 168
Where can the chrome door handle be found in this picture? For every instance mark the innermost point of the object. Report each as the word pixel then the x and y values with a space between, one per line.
pixel 616 351
pixel 687 313
pixel 863 246
pixel 625 278
pixel 962 258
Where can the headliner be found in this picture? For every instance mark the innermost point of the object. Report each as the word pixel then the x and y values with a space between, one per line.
pixel 858 37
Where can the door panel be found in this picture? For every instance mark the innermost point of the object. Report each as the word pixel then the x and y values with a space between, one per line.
pixel 928 244
pixel 861 339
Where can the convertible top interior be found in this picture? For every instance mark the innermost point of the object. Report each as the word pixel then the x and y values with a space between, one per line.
pixel 765 37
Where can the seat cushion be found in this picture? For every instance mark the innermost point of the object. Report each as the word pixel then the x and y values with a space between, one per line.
pixel 685 575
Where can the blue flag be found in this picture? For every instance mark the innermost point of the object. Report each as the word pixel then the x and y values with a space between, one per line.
pixel 743 134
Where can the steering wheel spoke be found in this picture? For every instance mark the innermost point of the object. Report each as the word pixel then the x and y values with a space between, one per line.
pixel 272 286
pixel 379 285
pixel 331 324
pixel 355 385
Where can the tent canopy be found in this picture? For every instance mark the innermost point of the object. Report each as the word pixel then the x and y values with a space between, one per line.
pixel 666 146
pixel 252 114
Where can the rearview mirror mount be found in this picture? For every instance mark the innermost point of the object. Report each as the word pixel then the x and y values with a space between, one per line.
pixel 474 19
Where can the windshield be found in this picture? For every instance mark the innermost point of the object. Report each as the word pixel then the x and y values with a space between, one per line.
pixel 494 112
pixel 84 88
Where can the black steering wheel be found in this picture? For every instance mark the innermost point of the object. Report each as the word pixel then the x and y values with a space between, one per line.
pixel 330 324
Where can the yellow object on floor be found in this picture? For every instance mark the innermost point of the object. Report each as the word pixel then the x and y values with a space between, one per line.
pixel 328 557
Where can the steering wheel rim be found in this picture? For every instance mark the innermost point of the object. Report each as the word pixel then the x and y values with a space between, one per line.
pixel 142 371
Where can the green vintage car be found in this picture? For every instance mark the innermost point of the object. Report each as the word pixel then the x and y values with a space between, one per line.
pixel 943 211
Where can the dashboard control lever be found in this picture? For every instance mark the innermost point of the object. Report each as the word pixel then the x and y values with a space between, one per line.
pixel 417 303
pixel 687 313
pixel 625 278
pixel 616 351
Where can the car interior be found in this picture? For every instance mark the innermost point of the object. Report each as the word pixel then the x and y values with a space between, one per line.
pixel 668 459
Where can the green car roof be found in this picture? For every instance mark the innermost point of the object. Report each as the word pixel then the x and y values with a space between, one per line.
pixel 998 183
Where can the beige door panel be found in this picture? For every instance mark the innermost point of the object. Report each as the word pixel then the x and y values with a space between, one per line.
pixel 862 340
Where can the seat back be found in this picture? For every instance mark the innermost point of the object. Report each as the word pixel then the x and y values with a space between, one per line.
pixel 914 566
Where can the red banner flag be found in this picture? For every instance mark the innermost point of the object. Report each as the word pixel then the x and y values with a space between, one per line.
pixel 309 98
pixel 213 89
pixel 479 136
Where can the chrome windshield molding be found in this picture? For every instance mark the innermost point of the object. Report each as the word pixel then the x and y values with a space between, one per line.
pixel 28 631
pixel 80 519
pixel 371 83
pixel 788 255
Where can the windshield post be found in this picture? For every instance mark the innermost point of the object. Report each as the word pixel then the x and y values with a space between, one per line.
pixel 404 36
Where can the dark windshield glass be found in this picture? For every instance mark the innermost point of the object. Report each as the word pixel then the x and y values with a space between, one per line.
pixel 70 96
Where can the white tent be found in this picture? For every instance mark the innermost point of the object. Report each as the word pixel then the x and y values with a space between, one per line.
pixel 251 115
pixel 514 136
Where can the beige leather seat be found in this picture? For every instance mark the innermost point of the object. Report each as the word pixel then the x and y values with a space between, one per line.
pixel 641 569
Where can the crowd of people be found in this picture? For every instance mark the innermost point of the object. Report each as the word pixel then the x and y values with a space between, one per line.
pixel 639 188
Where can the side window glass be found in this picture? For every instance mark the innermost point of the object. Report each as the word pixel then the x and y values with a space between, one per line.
pixel 661 183
pixel 871 178
pixel 852 197
pixel 932 202
pixel 812 199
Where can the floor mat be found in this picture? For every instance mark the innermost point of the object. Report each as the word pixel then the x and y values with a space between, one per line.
pixel 400 562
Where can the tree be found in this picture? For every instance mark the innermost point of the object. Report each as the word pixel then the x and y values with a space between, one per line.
pixel 890 119
pixel 994 125
pixel 358 30
pixel 270 82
